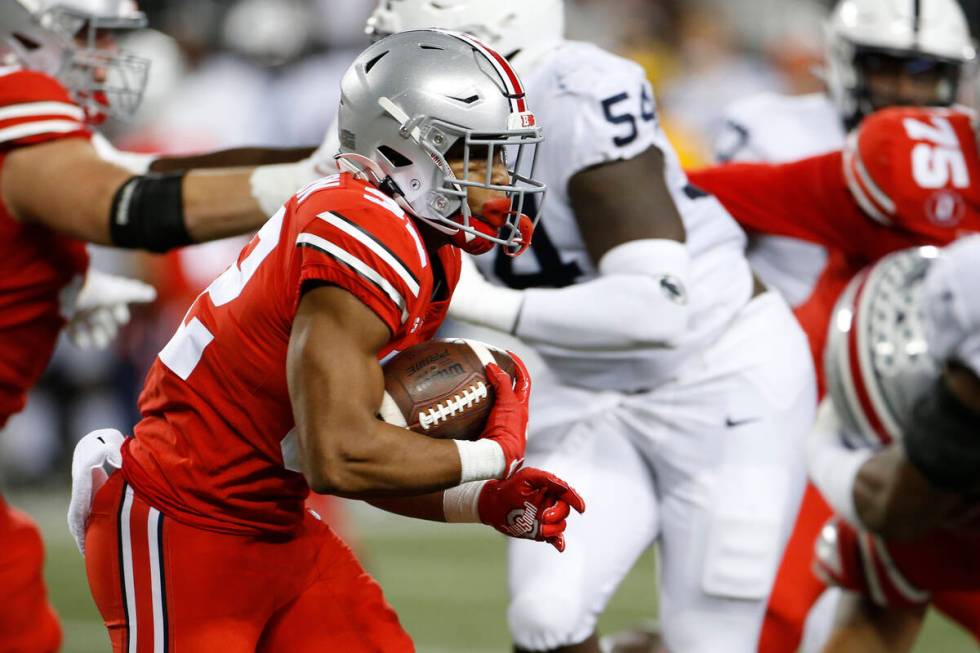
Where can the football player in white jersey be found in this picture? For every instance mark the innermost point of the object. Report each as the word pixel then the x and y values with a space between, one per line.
pixel 895 447
pixel 879 53
pixel 684 390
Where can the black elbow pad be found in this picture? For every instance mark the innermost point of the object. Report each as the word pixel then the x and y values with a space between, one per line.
pixel 148 213
pixel 943 441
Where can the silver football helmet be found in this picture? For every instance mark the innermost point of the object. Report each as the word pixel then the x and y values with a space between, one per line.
pixel 518 29
pixel 413 98
pixel 877 359
pixel 923 37
pixel 63 39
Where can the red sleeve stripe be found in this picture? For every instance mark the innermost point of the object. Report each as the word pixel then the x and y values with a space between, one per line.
pixel 357 265
pixel 869 196
pixel 38 128
pixel 376 246
pixel 38 109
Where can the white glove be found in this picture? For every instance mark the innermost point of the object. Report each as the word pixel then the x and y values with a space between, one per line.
pixel 102 307
pixel 478 301
pixel 96 457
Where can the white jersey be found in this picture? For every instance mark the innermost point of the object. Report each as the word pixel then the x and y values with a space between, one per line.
pixel 774 128
pixel 595 107
pixel 951 305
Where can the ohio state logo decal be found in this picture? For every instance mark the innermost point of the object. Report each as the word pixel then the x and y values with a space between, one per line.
pixel 945 208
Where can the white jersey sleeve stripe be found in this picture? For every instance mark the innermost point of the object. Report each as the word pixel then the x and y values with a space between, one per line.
pixel 858 192
pixel 360 267
pixel 28 109
pixel 375 246
pixel 899 582
pixel 39 127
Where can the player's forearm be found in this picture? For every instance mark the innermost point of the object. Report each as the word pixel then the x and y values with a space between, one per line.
pixel 425 506
pixel 379 461
pixel 219 203
pixel 243 156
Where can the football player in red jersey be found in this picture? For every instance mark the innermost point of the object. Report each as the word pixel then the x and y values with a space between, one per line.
pixel 895 450
pixel 60 74
pixel 271 385
pixel 907 176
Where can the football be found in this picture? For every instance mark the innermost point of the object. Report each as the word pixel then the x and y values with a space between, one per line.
pixel 439 388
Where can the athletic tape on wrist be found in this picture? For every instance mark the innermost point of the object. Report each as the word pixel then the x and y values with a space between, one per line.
pixel 480 460
pixel 460 504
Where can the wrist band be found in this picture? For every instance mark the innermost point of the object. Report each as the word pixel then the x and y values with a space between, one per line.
pixel 480 460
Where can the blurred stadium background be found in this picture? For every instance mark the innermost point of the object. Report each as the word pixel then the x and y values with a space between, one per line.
pixel 265 72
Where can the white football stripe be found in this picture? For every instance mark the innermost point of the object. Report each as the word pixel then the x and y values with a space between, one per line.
pixel 39 127
pixel 910 592
pixel 481 350
pixel 358 265
pixel 156 595
pixel 374 246
pixel 42 109
pixel 870 573
pixel 391 413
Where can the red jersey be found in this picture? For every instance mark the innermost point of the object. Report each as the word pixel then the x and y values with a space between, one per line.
pixel 37 266
pixel 216 447
pixel 907 177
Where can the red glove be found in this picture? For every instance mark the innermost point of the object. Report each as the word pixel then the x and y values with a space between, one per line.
pixel 532 504
pixel 507 423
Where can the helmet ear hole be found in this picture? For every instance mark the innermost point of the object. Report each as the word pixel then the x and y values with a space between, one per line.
pixel 395 158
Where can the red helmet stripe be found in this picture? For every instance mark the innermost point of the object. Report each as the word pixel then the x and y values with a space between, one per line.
pixel 512 82
pixel 856 370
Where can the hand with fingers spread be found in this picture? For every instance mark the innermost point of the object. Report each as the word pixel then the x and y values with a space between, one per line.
pixel 507 423
pixel 532 504
pixel 102 307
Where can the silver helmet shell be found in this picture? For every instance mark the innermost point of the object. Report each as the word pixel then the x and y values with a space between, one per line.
pixel 411 97
pixel 62 38
pixel 877 359
pixel 521 30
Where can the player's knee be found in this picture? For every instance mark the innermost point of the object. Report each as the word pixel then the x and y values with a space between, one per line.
pixel 543 620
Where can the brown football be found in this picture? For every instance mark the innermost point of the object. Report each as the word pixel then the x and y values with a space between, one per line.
pixel 439 388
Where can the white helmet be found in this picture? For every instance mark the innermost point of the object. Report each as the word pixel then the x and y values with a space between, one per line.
pixel 926 35
pixel 413 99
pixel 521 30
pixel 60 38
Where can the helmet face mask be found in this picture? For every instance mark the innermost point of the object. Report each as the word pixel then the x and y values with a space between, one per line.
pixel 440 122
pixel 71 40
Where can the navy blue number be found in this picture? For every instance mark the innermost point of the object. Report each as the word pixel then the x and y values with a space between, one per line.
pixel 623 118
pixel 647 113
pixel 552 271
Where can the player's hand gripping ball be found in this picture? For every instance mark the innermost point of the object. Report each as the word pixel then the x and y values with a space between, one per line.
pixel 440 388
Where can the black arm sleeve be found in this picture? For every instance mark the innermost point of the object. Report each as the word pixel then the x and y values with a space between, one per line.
pixel 943 441
pixel 148 213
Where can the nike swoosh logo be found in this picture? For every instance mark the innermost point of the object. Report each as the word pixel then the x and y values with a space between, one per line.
pixel 732 423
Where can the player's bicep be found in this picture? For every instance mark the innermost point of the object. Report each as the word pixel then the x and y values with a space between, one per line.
pixel 623 201
pixel 63 185
pixel 335 381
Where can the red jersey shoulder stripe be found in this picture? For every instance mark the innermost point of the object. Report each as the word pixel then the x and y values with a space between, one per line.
pixel 874 201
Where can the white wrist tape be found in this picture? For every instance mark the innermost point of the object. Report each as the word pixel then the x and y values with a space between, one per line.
pixel 460 504
pixel 832 466
pixel 480 460
pixel 639 299
pixel 273 185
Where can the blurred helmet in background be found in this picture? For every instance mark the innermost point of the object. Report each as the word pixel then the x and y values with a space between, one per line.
pixel 895 52
pixel 269 32
pixel 877 359
pixel 71 40
pixel 518 29
pixel 414 100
